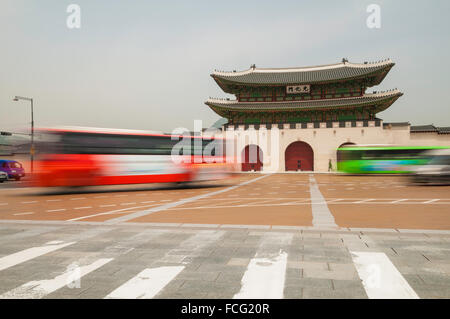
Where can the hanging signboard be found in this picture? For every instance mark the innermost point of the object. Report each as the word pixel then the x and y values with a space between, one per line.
pixel 295 89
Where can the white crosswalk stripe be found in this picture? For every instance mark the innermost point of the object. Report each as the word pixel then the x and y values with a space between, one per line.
pixel 380 277
pixel 30 253
pixel 266 272
pixel 264 278
pixel 147 284
pixel 41 288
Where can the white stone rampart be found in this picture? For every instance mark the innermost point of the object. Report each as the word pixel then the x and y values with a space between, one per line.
pixel 325 140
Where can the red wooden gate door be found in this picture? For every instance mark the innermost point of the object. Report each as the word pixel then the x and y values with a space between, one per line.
pixel 252 158
pixel 299 156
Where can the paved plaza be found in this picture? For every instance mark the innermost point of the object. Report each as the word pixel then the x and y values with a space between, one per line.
pixel 254 236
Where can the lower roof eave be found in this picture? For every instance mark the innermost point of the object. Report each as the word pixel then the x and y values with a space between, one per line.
pixel 288 106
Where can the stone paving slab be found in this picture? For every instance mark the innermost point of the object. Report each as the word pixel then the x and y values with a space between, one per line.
pixel 319 263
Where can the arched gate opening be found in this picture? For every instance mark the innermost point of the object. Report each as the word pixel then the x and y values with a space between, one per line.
pixel 252 158
pixel 299 156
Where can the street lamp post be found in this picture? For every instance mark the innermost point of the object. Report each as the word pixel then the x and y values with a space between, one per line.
pixel 17 98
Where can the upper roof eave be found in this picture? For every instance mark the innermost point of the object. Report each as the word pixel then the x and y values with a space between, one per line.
pixel 303 75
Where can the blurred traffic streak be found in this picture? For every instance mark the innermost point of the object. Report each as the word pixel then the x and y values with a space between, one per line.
pixel 91 156
pixel 383 159
pixel 436 170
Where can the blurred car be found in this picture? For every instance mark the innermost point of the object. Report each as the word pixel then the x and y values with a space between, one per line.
pixel 437 169
pixel 3 177
pixel 14 169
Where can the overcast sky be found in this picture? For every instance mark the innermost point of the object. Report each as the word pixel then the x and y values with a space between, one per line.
pixel 147 64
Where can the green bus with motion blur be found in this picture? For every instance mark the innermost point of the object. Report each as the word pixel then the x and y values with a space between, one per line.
pixel 382 159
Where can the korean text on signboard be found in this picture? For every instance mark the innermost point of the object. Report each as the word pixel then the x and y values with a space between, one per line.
pixel 293 89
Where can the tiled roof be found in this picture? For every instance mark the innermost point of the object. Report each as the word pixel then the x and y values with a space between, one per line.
pixel 377 98
pixel 430 128
pixel 305 75
pixel 444 130
pixel 423 128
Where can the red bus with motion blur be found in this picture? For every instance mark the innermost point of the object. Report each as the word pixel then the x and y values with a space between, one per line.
pixel 91 156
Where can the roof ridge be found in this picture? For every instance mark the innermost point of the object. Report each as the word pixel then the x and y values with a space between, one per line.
pixel 304 68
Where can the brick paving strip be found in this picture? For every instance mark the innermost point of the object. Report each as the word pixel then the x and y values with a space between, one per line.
pixel 322 216
pixel 177 203
pixel 230 226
